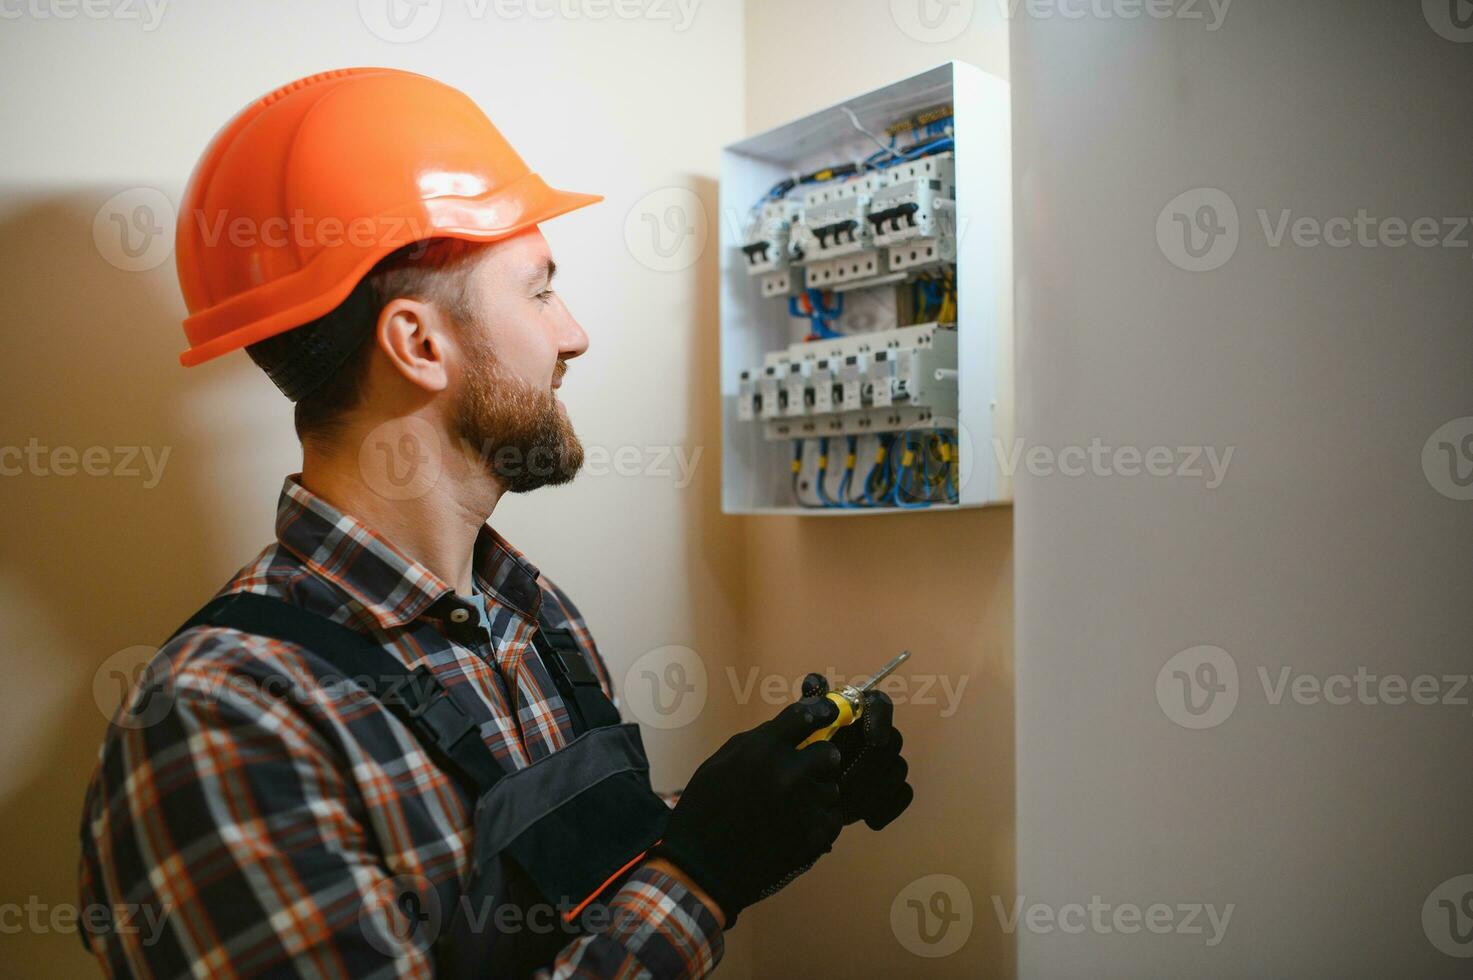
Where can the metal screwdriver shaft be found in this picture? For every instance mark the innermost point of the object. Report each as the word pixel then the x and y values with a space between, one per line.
pixel 885 672
pixel 850 701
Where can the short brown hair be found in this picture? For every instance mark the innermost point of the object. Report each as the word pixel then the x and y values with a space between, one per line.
pixel 434 270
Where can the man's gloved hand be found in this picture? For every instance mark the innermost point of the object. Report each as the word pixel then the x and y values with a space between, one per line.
pixel 760 811
pixel 872 782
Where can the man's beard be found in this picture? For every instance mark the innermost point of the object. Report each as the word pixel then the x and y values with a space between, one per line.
pixel 514 429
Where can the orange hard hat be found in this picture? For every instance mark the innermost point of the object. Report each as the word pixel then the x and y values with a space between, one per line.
pixel 307 188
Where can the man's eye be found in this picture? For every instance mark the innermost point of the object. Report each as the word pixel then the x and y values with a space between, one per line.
pixel 545 295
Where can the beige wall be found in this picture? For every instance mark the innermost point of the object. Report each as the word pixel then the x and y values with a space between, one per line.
pixel 823 592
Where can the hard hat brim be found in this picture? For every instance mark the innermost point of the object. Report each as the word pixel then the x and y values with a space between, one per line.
pixel 318 287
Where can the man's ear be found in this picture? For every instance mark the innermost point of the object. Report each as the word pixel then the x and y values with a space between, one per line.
pixel 413 336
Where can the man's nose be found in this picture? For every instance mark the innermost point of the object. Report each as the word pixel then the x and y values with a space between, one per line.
pixel 572 340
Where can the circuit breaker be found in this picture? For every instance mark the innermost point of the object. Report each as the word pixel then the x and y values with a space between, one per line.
pixel 867 303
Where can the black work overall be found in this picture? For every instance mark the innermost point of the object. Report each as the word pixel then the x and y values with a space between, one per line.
pixel 552 840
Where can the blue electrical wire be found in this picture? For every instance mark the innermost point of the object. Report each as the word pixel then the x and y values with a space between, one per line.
pixel 901 483
pixel 823 314
pixel 797 470
pixel 931 295
pixel 935 128
pixel 868 500
pixel 878 160
pixel 901 471
pixel 897 443
pixel 938 126
pixel 844 501
pixel 815 320
pixel 926 468
pixel 926 149
pixel 823 466
pixel 819 318
pixel 951 465
pixel 871 161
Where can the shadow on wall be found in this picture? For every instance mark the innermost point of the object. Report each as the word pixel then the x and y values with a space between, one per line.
pixel 716 547
pixel 106 527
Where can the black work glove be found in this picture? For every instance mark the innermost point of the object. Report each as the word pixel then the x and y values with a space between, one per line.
pixel 760 811
pixel 872 782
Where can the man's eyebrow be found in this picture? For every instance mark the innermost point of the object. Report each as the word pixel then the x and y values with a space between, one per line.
pixel 543 273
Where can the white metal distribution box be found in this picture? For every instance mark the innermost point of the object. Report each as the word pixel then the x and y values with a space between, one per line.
pixel 855 235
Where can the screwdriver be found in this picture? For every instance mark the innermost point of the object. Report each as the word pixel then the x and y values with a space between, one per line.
pixel 850 701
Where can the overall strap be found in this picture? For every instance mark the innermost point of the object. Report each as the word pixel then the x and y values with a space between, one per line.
pixel 588 706
pixel 415 697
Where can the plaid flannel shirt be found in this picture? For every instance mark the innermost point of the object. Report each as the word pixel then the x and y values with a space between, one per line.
pixel 243 833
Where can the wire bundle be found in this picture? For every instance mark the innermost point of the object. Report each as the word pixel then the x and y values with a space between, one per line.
pixel 909 470
pixel 929 138
pixel 933 297
pixel 811 304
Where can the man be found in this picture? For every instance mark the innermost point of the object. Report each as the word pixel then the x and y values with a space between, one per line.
pixel 387 747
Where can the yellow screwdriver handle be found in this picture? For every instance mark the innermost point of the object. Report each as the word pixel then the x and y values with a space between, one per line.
pixel 850 701
pixel 848 714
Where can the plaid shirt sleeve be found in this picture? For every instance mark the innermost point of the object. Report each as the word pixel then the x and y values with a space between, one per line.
pixel 253 825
